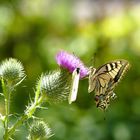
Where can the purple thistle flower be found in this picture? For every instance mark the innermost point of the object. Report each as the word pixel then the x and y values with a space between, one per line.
pixel 71 62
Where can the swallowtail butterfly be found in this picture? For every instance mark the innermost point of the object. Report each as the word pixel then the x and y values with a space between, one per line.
pixel 104 79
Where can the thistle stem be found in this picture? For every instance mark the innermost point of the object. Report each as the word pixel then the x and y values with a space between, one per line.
pixel 7 93
pixel 28 114
pixel 7 107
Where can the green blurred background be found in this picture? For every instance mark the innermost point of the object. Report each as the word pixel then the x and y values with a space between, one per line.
pixel 33 31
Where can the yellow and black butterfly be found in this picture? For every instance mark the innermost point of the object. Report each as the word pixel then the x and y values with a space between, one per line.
pixel 104 79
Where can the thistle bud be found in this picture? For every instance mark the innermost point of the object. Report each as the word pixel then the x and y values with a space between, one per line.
pixel 55 85
pixel 11 71
pixel 39 130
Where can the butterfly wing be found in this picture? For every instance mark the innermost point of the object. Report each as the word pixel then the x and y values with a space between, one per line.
pixel 74 85
pixel 99 81
pixel 92 77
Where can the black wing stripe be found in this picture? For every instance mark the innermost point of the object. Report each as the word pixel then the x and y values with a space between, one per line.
pixel 115 65
pixel 111 65
pixel 98 85
pixel 120 73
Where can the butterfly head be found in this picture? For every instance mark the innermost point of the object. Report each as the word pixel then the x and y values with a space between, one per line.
pixel 102 101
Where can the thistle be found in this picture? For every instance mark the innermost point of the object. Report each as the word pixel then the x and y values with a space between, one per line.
pixel 11 71
pixel 11 75
pixel 75 66
pixel 52 87
pixel 71 62
pixel 55 86
pixel 39 130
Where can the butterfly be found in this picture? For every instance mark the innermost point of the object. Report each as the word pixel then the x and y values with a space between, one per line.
pixel 104 79
pixel 74 85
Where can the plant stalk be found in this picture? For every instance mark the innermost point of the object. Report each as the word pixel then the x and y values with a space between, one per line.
pixel 7 93
pixel 28 114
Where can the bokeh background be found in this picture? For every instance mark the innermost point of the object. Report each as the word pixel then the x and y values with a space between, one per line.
pixel 33 31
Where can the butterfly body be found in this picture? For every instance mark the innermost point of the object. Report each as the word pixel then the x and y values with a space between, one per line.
pixel 104 79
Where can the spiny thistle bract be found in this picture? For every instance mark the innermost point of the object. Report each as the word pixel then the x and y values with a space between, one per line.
pixel 55 85
pixel 39 130
pixel 12 71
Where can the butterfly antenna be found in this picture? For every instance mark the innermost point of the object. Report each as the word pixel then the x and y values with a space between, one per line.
pixel 73 53
pixel 94 59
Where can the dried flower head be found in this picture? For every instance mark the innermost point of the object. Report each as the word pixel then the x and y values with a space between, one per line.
pixel 12 71
pixel 55 85
pixel 71 62
pixel 39 130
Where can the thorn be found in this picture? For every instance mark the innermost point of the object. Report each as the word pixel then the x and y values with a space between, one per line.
pixel 20 81
pixel 45 108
